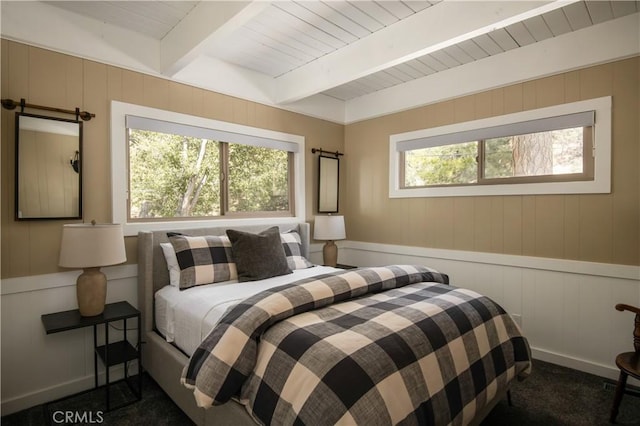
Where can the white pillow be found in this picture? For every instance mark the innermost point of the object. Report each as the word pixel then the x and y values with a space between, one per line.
pixel 172 263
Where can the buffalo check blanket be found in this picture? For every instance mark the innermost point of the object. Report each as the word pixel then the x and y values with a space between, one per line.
pixel 374 346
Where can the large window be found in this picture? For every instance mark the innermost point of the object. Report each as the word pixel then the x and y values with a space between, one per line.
pixel 551 150
pixel 188 169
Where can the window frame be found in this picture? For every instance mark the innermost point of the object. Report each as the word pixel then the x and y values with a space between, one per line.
pixel 556 184
pixel 120 169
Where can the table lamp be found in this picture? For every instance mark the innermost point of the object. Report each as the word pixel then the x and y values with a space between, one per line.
pixel 329 228
pixel 90 246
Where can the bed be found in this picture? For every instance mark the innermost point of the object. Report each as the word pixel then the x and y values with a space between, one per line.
pixel 197 368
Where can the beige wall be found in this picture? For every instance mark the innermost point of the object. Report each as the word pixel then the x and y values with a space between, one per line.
pixel 600 228
pixel 47 78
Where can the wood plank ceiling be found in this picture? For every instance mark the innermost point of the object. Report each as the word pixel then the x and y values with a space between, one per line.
pixel 287 35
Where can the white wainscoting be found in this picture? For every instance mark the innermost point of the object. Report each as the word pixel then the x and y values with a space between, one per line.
pixel 37 367
pixel 565 308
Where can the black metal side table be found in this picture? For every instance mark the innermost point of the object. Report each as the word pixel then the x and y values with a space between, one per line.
pixel 110 354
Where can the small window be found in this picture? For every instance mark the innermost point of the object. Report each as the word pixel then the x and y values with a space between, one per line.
pixel 174 167
pixel 549 156
pixel 540 149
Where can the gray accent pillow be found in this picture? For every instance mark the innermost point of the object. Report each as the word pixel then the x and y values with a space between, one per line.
pixel 258 256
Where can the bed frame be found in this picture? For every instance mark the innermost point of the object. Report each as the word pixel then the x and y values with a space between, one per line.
pixel 163 361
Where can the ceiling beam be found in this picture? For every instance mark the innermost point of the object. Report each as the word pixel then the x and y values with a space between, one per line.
pixel 434 28
pixel 208 23
pixel 597 44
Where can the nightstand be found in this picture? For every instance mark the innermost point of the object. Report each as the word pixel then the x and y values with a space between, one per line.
pixel 343 266
pixel 110 354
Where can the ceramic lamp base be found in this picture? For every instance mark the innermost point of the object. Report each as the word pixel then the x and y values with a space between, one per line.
pixel 91 289
pixel 330 254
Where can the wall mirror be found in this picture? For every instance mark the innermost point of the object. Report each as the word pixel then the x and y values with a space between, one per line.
pixel 48 167
pixel 328 174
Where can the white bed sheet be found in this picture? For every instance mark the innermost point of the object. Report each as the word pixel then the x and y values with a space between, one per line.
pixel 186 317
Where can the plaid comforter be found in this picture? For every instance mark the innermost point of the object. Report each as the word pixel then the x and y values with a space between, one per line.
pixel 369 346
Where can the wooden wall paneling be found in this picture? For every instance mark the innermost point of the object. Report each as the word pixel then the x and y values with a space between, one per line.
pixel 133 87
pixel 596 236
pixel 464 109
pixel 156 92
pixel 513 98
pixel 497 225
pixel 594 318
pixel 483 228
pixel 75 90
pixel 240 113
pixel 463 218
pixel 529 224
pixel 484 104
pixel 550 91
pixel 197 100
pixel 571 237
pixel 529 95
pixel 43 245
pixel 549 231
pixel 596 81
pixel 72 82
pixel 96 145
pixel 443 113
pixel 443 222
pixel 390 217
pixel 547 310
pixel 15 236
pixel 571 324
pixel 626 159
pixel 512 282
pixel 180 98
pixel 114 85
pixel 497 102
pixel 48 81
pixel 416 233
pixel 572 86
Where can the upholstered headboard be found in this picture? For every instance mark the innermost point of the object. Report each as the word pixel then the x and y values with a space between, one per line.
pixel 152 267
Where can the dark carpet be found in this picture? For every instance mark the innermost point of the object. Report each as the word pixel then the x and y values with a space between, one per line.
pixel 552 395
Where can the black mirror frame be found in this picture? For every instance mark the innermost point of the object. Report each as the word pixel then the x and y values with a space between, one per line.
pixel 78 165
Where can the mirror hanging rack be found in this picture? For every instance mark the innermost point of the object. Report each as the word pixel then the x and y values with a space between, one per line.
pixel 10 104
pixel 321 151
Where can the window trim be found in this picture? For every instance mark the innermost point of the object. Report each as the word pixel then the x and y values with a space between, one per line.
pixel 601 182
pixel 119 169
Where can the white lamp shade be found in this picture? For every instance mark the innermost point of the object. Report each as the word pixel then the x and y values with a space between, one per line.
pixel 87 246
pixel 329 228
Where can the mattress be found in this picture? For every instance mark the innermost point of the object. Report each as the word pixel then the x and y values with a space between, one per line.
pixel 186 317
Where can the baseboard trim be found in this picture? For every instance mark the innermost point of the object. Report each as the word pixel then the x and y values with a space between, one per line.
pixel 52 393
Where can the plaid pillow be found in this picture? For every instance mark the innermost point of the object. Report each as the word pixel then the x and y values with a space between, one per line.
pixel 203 260
pixel 292 245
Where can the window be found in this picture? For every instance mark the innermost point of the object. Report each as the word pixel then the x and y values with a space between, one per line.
pixel 545 151
pixel 174 167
